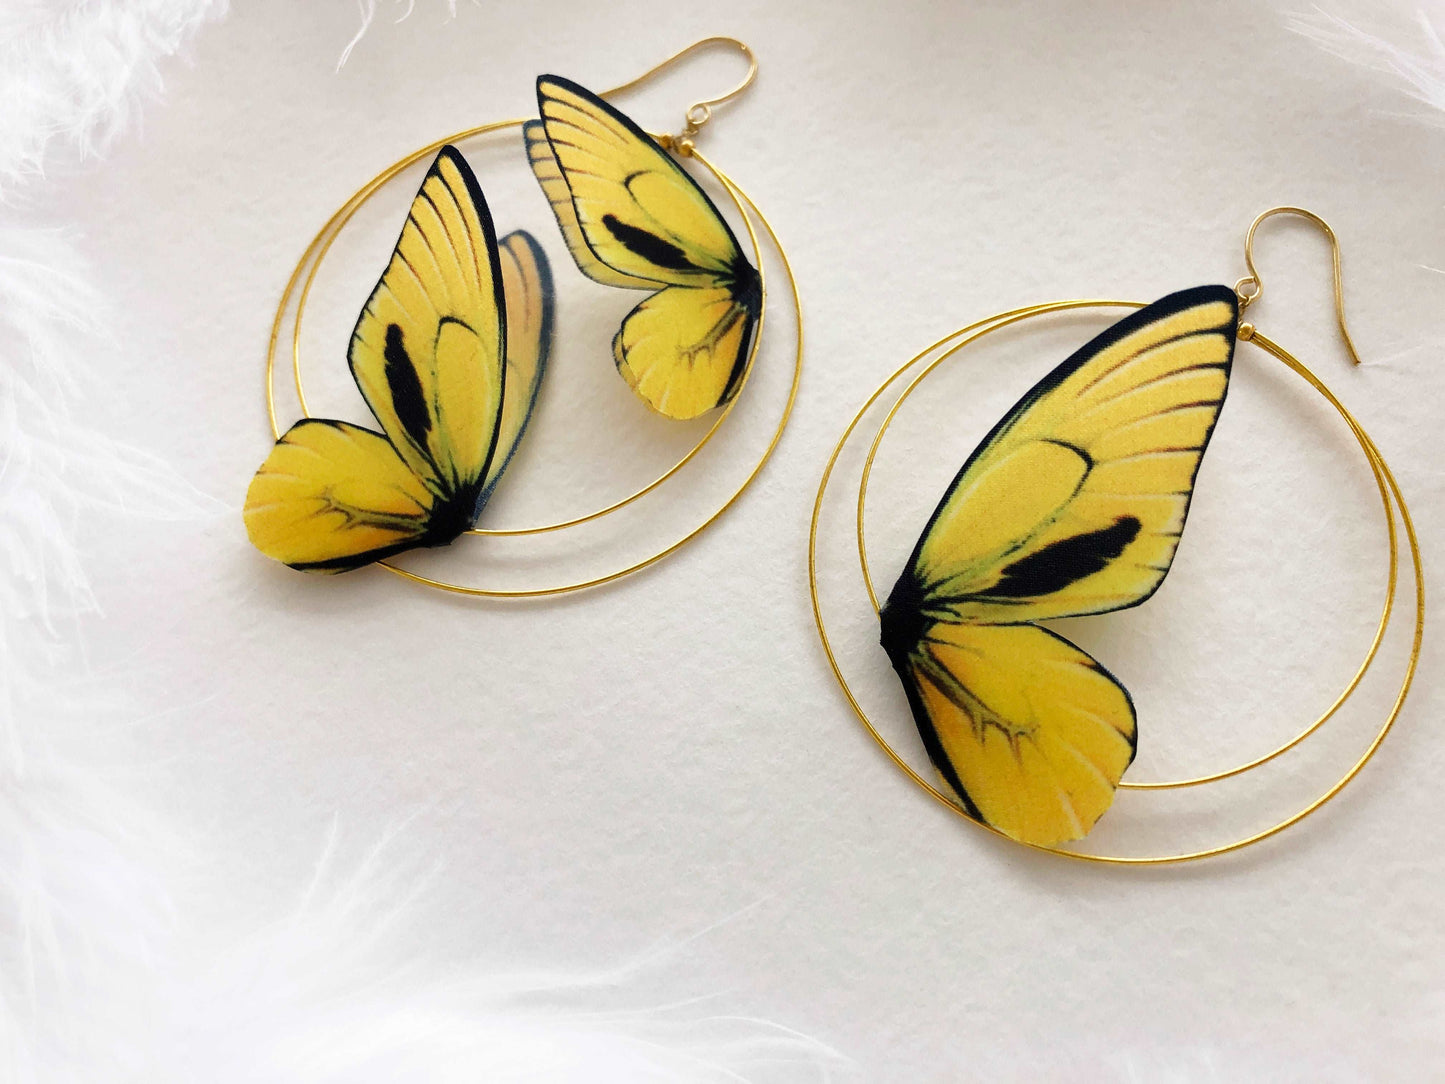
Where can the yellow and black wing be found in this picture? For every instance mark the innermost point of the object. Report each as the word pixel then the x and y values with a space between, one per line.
pixel 427 355
pixel 527 286
pixel 632 216
pixel 427 351
pixel 554 187
pixel 333 496
pixel 1074 504
pixel 1029 732
pixel 636 208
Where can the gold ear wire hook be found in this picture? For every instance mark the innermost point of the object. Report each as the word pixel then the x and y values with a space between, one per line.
pixel 1248 296
pixel 699 113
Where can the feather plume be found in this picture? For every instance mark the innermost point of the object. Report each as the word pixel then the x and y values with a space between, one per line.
pixel 79 901
pixel 330 994
pixel 368 10
pixel 74 73
pixel 1401 41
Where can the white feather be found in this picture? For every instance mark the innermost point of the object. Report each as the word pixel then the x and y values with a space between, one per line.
pixel 74 72
pixel 333 995
pixel 368 10
pixel 80 900
pixel 1400 40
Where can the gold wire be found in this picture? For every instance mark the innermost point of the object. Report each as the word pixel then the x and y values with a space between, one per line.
pixel 1247 298
pixel 1378 465
pixel 740 198
pixel 321 243
pixel 1006 320
pixel 699 113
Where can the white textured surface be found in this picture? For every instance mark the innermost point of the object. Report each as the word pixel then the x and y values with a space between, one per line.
pixel 644 761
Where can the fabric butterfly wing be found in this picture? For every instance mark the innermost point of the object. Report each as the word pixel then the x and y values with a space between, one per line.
pixel 425 354
pixel 527 286
pixel 638 210
pixel 1073 505
pixel 333 496
pixel 1028 731
pixel 554 187
pixel 428 349
pixel 685 350
pixel 633 217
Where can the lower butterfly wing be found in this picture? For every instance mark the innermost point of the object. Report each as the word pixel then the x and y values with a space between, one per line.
pixel 1074 504
pixel 527 285
pixel 427 351
pixel 332 496
pixel 554 187
pixel 1028 732
pixel 684 350
pixel 637 209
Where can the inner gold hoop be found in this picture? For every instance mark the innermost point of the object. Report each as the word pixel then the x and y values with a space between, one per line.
pixel 1391 498
pixel 304 275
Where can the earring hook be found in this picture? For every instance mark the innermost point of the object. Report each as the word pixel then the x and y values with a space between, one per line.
pixel 1250 287
pixel 699 113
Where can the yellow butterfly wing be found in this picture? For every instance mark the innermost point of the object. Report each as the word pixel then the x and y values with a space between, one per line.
pixel 1074 504
pixel 554 187
pixel 427 355
pixel 527 286
pixel 632 216
pixel 684 350
pixel 427 351
pixel 333 496
pixel 1029 732
pixel 637 209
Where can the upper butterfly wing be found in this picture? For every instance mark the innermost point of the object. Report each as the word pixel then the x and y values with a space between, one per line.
pixel 554 187
pixel 1075 502
pixel 1030 733
pixel 637 210
pixel 527 285
pixel 427 352
pixel 332 496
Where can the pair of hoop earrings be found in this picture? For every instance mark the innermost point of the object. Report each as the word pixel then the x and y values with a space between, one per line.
pixel 1074 504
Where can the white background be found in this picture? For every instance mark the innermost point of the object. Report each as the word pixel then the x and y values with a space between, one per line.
pixel 670 756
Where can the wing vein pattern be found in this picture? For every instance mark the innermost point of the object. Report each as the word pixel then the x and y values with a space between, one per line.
pixel 448 353
pixel 1074 504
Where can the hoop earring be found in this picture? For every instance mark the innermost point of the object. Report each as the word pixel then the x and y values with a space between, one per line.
pixel 1073 505
pixel 430 502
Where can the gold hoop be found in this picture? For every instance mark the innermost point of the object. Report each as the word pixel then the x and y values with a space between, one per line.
pixel 1394 503
pixel 315 252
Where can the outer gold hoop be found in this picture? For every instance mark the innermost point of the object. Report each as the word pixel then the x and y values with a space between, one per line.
pixel 1171 784
pixel 1394 503
pixel 311 260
